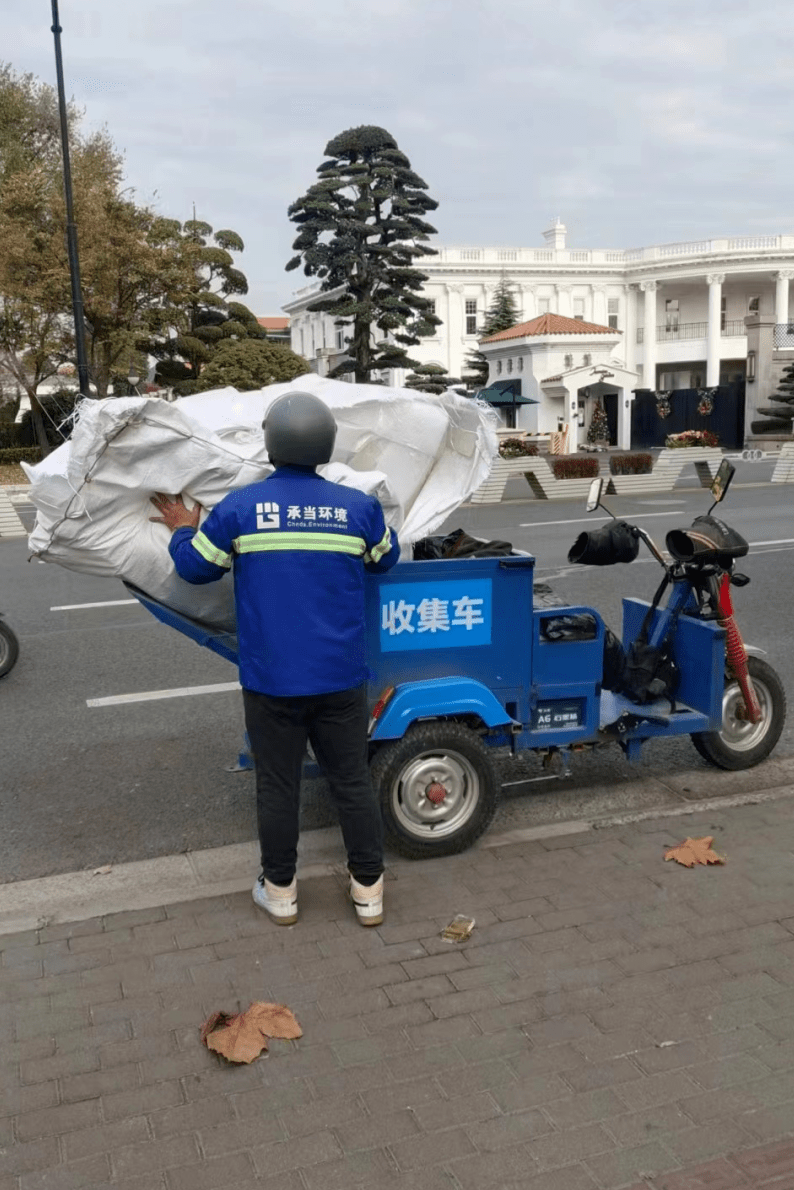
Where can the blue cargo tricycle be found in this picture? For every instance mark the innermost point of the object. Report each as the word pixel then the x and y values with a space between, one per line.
pixel 465 661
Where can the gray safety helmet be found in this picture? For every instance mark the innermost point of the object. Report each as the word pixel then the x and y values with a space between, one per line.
pixel 299 429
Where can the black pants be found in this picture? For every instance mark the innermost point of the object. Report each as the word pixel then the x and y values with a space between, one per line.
pixel 336 726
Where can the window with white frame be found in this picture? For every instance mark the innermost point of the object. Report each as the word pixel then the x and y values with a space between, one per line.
pixel 569 361
pixel 498 367
pixel 510 365
pixel 521 363
pixel 471 316
pixel 613 310
pixel 587 360
pixel 340 338
pixel 723 313
pixel 753 305
pixel 578 309
pixel 671 314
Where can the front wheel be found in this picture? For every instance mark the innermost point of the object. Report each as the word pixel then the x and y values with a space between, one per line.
pixel 437 789
pixel 9 649
pixel 741 744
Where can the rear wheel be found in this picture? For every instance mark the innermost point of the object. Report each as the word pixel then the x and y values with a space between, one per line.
pixel 9 649
pixel 437 788
pixel 741 744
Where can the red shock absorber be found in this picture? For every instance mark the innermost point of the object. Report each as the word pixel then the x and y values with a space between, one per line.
pixel 735 652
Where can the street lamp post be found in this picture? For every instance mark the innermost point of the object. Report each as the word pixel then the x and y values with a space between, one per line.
pixel 71 227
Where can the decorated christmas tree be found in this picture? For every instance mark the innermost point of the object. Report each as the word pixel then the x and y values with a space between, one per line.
pixel 778 418
pixel 599 427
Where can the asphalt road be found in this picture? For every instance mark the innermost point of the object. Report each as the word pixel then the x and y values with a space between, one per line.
pixel 82 786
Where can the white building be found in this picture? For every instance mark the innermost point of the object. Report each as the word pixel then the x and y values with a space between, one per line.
pixel 679 308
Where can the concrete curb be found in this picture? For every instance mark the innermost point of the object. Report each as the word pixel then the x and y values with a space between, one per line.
pixel 191 876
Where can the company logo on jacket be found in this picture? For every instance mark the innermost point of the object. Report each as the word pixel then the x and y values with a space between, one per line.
pixel 268 516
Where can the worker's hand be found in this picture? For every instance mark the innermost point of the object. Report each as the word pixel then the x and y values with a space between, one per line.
pixel 174 514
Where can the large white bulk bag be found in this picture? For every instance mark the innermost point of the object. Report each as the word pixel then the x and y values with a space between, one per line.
pixel 421 456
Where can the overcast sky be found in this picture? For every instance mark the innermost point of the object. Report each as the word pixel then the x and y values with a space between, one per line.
pixel 637 121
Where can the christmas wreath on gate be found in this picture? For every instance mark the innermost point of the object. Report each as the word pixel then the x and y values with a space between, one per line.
pixel 663 407
pixel 706 401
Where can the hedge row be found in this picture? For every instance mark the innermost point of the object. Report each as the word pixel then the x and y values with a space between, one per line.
pixel 10 434
pixel 575 468
pixel 639 464
pixel 20 454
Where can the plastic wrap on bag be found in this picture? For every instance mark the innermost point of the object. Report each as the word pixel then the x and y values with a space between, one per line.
pixel 420 456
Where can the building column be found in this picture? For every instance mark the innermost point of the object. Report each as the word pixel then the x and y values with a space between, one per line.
pixel 630 328
pixel 572 420
pixel 598 301
pixel 649 335
pixel 715 281
pixel 781 295
pixel 456 349
pixel 624 419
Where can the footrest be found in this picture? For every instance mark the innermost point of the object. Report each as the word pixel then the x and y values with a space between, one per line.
pixel 614 705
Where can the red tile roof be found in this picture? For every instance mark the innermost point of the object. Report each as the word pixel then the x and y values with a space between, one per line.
pixel 274 324
pixel 550 324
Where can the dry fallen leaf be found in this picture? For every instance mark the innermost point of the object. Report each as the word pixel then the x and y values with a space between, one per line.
pixel 242 1036
pixel 104 870
pixel 694 851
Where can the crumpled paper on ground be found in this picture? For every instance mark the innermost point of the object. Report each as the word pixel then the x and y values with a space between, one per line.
pixel 421 456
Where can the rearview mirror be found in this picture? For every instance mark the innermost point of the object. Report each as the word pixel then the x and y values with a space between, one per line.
pixel 722 480
pixel 595 493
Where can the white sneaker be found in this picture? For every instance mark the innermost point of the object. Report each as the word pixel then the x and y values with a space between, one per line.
pixel 368 900
pixel 281 904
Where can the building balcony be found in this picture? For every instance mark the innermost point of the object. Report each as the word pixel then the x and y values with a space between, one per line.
pixel 784 336
pixel 694 330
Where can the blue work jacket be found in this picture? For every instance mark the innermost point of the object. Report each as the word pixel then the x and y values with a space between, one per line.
pixel 299 546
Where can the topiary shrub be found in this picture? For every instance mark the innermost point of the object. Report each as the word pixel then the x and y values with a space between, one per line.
pixel 575 468
pixel 639 464
pixel 516 448
pixel 20 454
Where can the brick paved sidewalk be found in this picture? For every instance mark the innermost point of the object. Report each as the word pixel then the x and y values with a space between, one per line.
pixel 613 1021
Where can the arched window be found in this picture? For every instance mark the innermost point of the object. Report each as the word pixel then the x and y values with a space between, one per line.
pixel 510 365
pixel 498 367
pixel 521 363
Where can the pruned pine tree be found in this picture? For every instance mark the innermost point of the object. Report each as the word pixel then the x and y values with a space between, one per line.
pixel 778 418
pixel 430 378
pixel 205 316
pixel 360 230
pixel 247 364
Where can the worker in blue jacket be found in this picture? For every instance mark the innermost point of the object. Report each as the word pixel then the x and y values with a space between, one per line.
pixel 299 547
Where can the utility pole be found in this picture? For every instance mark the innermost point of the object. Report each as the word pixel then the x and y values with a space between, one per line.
pixel 71 227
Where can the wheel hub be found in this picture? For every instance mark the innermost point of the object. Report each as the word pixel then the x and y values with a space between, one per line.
pixel 436 792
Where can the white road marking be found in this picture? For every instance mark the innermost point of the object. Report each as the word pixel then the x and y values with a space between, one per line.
pixel 581 520
pixel 72 607
pixel 153 695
